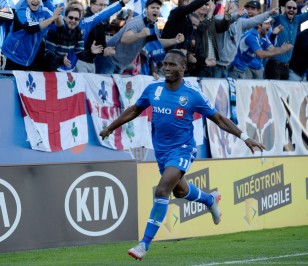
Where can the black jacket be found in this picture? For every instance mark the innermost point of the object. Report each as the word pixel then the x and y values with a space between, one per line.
pixel 179 22
pixel 98 33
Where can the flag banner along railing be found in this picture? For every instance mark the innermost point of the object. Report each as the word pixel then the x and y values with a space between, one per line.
pixel 274 113
pixel 54 109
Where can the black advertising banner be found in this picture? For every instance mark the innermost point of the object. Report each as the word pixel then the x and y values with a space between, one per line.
pixel 67 204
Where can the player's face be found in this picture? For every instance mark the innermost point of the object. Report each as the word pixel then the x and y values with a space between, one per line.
pixel 34 4
pixel 174 68
pixel 153 11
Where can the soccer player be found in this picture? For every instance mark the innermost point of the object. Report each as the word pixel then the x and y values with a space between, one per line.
pixel 173 141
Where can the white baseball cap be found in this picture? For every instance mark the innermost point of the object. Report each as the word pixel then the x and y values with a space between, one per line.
pixel 268 20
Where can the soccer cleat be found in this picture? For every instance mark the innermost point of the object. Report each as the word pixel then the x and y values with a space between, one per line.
pixel 138 252
pixel 216 214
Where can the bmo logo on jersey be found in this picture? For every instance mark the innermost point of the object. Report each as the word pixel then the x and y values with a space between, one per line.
pixel 96 203
pixel 180 112
pixel 161 110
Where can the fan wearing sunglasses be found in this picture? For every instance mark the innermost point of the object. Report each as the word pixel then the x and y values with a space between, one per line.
pixel 67 39
pixel 278 66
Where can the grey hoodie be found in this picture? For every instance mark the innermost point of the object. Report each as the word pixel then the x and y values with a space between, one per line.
pixel 228 41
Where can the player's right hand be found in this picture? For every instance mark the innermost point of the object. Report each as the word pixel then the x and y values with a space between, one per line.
pixel 105 133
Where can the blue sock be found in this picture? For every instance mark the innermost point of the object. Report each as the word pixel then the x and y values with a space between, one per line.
pixel 196 194
pixel 157 215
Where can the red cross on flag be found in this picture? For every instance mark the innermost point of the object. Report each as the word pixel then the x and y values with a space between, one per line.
pixel 54 109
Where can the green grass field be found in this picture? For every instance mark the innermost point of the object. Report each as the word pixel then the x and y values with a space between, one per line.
pixel 283 246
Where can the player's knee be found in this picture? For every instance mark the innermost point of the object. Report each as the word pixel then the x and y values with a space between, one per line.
pixel 162 192
pixel 179 193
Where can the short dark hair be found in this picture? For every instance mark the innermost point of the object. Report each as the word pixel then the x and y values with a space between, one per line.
pixel 76 3
pixel 70 8
pixel 180 53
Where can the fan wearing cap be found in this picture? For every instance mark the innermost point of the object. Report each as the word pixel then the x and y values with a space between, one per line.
pixel 278 66
pixel 130 40
pixel 253 71
pixel 228 41
pixel 253 8
pixel 255 43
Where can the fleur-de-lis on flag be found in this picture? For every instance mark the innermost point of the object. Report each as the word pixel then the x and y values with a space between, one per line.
pixel 30 83
pixel 102 93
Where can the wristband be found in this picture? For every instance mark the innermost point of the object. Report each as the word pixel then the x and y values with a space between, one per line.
pixel 122 3
pixel 244 136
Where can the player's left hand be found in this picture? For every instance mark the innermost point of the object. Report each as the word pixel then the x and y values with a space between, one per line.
pixel 251 144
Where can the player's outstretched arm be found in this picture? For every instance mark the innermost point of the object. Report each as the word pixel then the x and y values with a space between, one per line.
pixel 227 125
pixel 129 114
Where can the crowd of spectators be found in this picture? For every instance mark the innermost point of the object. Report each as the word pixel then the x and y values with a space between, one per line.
pixel 221 39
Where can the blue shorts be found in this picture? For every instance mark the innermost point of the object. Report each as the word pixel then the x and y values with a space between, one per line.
pixel 180 158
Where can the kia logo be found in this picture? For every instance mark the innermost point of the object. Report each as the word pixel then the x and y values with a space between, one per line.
pixel 10 209
pixel 96 203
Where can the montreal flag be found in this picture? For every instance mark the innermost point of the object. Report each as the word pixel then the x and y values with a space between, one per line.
pixel 54 109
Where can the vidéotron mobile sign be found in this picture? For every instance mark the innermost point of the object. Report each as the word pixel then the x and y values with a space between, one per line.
pixel 98 209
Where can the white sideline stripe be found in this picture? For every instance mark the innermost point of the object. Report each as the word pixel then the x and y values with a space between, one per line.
pixel 252 260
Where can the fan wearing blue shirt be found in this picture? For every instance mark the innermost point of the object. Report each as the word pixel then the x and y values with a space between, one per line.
pixel 255 43
pixel 278 66
pixel 173 105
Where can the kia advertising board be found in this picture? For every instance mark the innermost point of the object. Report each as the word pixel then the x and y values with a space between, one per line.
pixel 67 204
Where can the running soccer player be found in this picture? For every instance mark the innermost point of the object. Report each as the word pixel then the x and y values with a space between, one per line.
pixel 174 103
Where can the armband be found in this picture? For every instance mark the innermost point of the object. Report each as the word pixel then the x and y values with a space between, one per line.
pixel 244 137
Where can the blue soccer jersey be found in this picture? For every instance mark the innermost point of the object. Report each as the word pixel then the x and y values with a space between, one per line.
pixel 250 43
pixel 172 113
